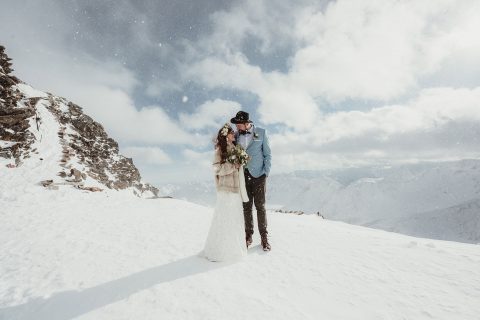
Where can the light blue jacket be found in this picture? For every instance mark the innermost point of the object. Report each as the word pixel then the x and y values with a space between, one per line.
pixel 259 151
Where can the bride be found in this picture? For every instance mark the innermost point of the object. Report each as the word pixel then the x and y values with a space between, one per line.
pixel 226 237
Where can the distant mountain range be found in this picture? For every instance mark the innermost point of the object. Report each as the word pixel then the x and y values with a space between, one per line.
pixel 438 200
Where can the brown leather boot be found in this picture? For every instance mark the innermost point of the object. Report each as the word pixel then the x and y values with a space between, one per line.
pixel 265 245
pixel 249 240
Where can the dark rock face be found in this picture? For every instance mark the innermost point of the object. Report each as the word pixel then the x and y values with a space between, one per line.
pixel 14 116
pixel 90 145
pixel 86 147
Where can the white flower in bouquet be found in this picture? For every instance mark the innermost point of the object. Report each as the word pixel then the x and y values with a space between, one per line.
pixel 238 155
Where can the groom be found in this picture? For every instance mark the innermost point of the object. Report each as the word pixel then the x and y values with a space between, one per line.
pixel 254 140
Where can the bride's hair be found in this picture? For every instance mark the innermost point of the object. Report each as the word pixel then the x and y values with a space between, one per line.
pixel 221 141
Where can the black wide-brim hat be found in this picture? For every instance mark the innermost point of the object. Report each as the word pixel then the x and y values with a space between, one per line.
pixel 241 117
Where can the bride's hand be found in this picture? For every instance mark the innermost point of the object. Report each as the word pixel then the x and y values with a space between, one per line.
pixel 237 166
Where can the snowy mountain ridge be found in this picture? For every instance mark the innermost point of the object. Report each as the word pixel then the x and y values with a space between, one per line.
pixel 52 135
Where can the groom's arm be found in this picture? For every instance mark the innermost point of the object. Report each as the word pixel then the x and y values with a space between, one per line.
pixel 267 154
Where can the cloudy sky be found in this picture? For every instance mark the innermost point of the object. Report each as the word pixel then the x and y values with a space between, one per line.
pixel 335 83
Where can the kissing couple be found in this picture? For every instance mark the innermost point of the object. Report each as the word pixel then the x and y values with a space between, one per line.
pixel 241 166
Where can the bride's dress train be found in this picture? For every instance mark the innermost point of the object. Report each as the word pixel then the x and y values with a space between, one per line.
pixel 226 237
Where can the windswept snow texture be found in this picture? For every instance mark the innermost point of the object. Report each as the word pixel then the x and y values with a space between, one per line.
pixel 66 254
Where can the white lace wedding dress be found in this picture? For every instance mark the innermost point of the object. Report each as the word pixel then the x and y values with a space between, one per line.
pixel 226 236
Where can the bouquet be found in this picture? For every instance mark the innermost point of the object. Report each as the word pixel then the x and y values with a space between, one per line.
pixel 238 155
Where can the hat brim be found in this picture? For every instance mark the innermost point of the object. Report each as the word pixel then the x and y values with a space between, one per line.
pixel 238 121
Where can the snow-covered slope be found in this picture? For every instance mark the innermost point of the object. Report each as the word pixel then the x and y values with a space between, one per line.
pixel 67 254
pixel 453 223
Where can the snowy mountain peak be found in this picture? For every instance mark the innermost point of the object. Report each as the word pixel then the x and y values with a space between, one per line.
pixel 58 143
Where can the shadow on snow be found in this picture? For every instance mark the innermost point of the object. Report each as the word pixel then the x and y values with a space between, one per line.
pixel 69 304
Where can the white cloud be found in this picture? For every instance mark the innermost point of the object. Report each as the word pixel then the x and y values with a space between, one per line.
pixel 439 124
pixel 147 155
pixel 264 20
pixel 158 88
pixel 211 114
pixel 204 157
pixel 116 111
pixel 350 50
pixel 432 108
pixel 280 100
pixel 114 108
pixel 418 60
pixel 358 50
pixel 104 91
pixel 365 50
pixel 199 162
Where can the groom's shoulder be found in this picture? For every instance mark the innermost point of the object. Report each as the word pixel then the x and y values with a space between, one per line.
pixel 260 130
